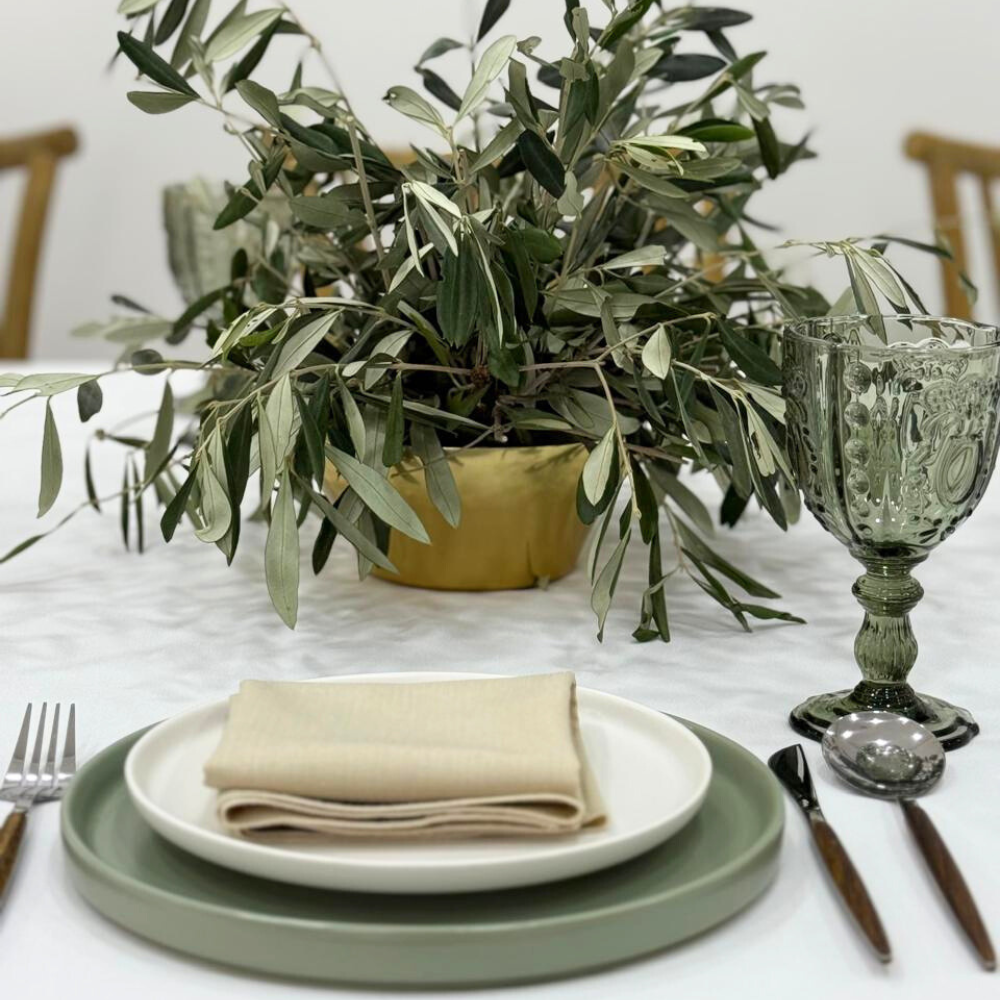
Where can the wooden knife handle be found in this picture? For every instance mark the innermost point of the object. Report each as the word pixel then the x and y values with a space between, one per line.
pixel 11 835
pixel 849 885
pixel 950 881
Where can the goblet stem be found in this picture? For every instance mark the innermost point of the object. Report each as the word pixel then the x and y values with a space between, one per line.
pixel 886 647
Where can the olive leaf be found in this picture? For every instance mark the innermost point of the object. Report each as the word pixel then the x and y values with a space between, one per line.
pixel 378 495
pixel 597 470
pixel 656 353
pixel 492 12
pixel 238 33
pixel 438 477
pixel 159 444
pixel 490 66
pixel 52 463
pixel 156 68
pixel 281 555
pixel 89 399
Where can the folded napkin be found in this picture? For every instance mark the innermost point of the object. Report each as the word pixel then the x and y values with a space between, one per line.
pixel 443 758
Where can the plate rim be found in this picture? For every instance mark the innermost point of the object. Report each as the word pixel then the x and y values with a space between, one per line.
pixel 768 840
pixel 252 851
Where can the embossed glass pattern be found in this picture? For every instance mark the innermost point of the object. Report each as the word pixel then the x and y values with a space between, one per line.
pixel 893 442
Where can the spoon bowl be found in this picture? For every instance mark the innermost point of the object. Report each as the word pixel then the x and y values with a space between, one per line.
pixel 884 754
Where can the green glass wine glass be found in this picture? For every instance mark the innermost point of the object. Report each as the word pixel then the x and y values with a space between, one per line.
pixel 892 430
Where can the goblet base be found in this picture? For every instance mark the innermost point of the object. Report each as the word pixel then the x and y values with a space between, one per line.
pixel 952 725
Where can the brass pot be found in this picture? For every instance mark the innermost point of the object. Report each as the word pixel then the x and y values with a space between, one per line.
pixel 519 522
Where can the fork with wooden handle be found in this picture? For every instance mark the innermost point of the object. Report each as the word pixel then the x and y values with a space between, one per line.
pixel 30 782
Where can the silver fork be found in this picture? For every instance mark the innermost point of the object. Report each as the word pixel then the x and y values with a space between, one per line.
pixel 28 783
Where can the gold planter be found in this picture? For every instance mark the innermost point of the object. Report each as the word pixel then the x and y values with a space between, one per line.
pixel 519 522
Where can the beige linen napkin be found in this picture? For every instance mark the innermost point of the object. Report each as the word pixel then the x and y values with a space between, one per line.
pixel 441 758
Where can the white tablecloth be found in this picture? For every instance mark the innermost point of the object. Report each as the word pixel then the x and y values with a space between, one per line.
pixel 132 639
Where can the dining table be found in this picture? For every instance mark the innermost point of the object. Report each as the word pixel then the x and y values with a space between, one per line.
pixel 134 638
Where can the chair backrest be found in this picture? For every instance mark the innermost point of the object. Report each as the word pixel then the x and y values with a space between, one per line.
pixel 946 161
pixel 38 154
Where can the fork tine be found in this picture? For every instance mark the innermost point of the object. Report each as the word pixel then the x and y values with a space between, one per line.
pixel 49 774
pixel 68 766
pixel 15 768
pixel 34 768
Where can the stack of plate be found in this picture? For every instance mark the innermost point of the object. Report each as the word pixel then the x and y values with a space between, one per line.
pixel 692 837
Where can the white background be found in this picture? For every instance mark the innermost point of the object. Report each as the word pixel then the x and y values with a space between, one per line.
pixel 870 70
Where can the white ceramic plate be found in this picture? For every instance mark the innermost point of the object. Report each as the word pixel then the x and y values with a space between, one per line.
pixel 653 774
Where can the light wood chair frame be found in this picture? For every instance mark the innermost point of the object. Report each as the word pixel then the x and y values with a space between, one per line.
pixel 39 154
pixel 947 160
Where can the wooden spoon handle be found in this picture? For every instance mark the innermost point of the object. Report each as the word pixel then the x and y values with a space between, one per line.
pixel 950 881
pixel 11 835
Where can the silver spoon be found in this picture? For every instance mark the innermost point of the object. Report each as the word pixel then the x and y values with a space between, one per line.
pixel 892 757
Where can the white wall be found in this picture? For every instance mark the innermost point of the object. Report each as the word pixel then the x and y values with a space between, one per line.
pixel 870 70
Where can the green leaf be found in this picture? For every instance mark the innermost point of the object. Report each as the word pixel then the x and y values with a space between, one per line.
pixel 49 384
pixel 140 524
pixel 125 507
pixel 688 502
pixel 378 495
pixel 490 67
pixel 300 345
pixel 718 130
pixel 542 163
pixel 88 479
pixel 170 21
pixel 622 22
pixel 159 445
pixel 607 581
pixel 770 151
pixel 439 88
pixel 438 477
pixel 281 555
pixel 640 257
pixel 408 102
pixel 146 361
pixel 239 33
pixel 597 470
pixel 275 420
pixel 459 295
pixel 735 442
pixel 392 447
pixel 540 245
pixel 713 18
pixel 355 422
pixel 656 353
pixel 157 69
pixel 216 511
pixel 262 100
pixel 314 438
pixel 439 48
pixel 155 102
pixel 493 11
pixel 190 33
pixel 323 545
pixel 364 546
pixel 89 399
pixel 500 144
pixel 749 357
pixel 135 6
pixel 678 67
pixel 176 508
pixel 52 464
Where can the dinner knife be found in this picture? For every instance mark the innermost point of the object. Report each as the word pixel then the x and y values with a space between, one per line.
pixel 792 770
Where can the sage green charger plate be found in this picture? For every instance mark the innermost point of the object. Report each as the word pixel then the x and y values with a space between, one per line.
pixel 715 866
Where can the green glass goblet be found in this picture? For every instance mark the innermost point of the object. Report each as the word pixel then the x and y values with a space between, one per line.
pixel 892 430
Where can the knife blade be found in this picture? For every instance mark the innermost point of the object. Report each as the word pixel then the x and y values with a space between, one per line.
pixel 792 770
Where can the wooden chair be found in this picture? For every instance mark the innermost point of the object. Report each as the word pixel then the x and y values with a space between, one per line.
pixel 38 153
pixel 946 161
